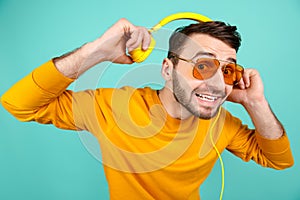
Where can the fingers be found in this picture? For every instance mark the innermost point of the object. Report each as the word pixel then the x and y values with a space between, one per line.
pixel 242 82
pixel 134 41
pixel 138 37
pixel 251 79
pixel 146 39
pixel 245 80
pixel 122 36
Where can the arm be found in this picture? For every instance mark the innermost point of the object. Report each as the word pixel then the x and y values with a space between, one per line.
pixel 269 133
pixel 251 95
pixel 111 46
pixel 42 96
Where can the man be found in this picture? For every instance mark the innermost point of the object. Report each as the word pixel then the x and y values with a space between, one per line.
pixel 159 144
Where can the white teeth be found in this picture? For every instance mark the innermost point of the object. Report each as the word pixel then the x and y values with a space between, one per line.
pixel 206 97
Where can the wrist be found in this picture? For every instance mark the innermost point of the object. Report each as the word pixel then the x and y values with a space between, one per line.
pixel 264 120
pixel 92 54
pixel 255 104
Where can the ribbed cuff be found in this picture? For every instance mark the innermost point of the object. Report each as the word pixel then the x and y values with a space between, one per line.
pixel 273 146
pixel 48 78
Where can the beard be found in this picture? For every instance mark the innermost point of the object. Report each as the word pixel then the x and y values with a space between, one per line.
pixel 186 100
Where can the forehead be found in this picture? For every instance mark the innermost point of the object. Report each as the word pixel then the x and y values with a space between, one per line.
pixel 196 43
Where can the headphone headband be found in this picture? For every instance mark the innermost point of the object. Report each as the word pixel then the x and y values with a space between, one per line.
pixel 138 55
pixel 182 15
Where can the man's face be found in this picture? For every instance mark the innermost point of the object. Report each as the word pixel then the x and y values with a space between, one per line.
pixel 202 98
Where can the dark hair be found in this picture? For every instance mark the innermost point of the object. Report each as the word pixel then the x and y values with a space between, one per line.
pixel 216 29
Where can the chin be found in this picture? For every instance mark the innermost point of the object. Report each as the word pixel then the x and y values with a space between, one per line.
pixel 208 114
pixel 206 117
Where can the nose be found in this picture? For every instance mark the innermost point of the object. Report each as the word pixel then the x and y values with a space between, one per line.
pixel 216 81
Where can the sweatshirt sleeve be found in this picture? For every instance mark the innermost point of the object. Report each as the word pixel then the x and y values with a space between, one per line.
pixel 249 145
pixel 42 96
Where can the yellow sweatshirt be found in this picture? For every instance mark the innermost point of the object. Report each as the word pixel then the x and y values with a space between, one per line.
pixel 146 153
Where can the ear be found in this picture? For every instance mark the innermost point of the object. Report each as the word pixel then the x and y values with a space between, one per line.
pixel 167 69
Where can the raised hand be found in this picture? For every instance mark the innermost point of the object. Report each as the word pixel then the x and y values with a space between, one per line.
pixel 112 46
pixel 120 38
pixel 249 90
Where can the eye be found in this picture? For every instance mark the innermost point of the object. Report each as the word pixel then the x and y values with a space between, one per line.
pixel 201 66
pixel 228 70
pixel 206 65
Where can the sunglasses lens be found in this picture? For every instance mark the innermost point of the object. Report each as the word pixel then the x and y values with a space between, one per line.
pixel 205 68
pixel 232 73
pixel 229 74
pixel 239 73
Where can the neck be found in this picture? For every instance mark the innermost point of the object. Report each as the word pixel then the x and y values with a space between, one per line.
pixel 171 105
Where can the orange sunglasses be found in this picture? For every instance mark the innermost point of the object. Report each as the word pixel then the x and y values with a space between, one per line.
pixel 205 68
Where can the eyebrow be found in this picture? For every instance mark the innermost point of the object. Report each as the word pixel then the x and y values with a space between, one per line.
pixel 204 53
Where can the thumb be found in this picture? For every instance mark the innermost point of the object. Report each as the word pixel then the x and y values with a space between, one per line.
pixel 124 59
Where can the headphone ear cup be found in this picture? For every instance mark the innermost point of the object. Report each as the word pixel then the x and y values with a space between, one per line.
pixel 138 55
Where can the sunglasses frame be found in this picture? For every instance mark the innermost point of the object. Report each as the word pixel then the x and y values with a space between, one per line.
pixel 237 72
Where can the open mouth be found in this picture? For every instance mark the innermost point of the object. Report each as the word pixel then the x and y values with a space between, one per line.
pixel 206 97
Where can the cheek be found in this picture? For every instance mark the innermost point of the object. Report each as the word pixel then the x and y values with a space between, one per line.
pixel 184 78
pixel 185 71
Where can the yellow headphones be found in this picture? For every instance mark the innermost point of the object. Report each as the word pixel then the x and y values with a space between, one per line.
pixel 138 55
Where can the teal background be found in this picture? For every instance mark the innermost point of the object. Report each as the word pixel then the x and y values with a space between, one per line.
pixel 42 162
